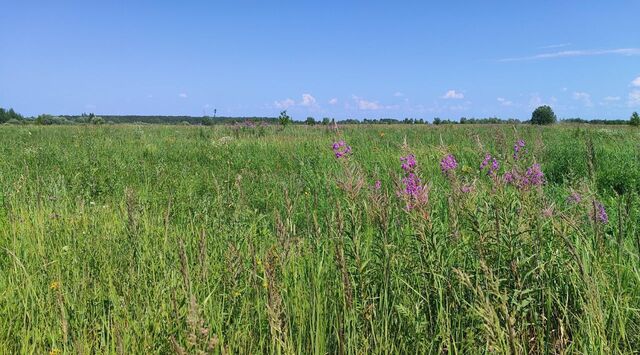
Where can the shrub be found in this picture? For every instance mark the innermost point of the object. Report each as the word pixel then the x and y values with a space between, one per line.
pixel 284 119
pixel 543 115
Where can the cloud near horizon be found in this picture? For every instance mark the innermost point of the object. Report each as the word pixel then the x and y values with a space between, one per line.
pixel 452 94
pixel 576 53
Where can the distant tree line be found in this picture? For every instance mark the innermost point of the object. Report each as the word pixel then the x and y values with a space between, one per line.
pixel 542 115
pixel 596 121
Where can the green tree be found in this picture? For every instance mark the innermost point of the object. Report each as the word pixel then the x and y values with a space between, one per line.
pixel 326 121
pixel 543 115
pixel 44 119
pixel 97 120
pixel 310 121
pixel 6 115
pixel 284 119
pixel 635 120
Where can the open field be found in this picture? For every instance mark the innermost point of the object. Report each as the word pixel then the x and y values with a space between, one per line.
pixel 163 239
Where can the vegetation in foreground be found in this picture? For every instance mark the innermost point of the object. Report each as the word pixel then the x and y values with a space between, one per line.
pixel 369 239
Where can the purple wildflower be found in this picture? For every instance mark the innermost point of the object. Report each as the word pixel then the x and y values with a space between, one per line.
pixel 408 163
pixel 377 185
pixel 547 212
pixel 509 177
pixel 574 198
pixel 534 176
pixel 413 192
pixel 448 163
pixel 599 213
pixel 485 162
pixel 340 149
pixel 495 165
pixel 517 149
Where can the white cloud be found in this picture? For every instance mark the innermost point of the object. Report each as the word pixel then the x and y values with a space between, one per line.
pixel 284 104
pixel 182 95
pixel 504 102
pixel 636 82
pixel 452 94
pixel 333 101
pixel 634 98
pixel 577 53
pixel 363 104
pixel 398 94
pixel 583 97
pixel 612 98
pixel 308 100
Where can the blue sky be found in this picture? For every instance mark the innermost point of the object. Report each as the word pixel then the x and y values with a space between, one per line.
pixel 343 59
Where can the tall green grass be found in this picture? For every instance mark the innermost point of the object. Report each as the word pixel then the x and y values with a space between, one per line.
pixel 152 239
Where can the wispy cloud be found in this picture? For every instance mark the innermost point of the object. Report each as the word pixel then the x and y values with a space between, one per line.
pixel 584 97
pixel 636 82
pixel 284 104
pixel 504 102
pixel 577 53
pixel 612 98
pixel 560 45
pixel 398 94
pixel 182 95
pixel 307 101
pixel 333 101
pixel 634 98
pixel 363 104
pixel 452 94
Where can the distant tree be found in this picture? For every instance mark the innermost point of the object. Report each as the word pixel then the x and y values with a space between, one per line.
pixel 326 121
pixel 437 120
pixel 543 115
pixel 284 119
pixel 44 119
pixel 635 120
pixel 96 120
pixel 13 121
pixel 207 121
pixel 6 115
pixel 310 121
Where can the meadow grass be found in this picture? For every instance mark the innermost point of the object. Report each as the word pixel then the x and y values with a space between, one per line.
pixel 167 239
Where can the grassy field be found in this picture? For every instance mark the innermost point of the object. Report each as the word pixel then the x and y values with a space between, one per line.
pixel 167 239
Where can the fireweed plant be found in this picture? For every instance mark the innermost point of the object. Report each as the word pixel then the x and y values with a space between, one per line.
pixel 412 191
